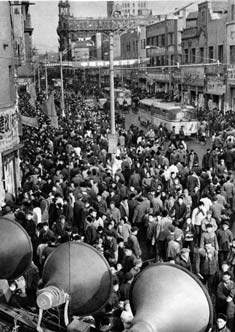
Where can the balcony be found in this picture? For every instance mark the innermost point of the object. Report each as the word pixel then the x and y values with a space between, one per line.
pixel 27 25
pixel 189 33
pixel 215 69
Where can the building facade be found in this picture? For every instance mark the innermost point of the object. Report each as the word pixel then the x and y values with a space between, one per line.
pixel 163 42
pixel 11 51
pixel 230 56
pixel 203 43
pixel 133 46
pixel 20 13
pixel 128 8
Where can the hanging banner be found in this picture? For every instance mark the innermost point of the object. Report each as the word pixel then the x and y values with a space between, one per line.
pixel 112 141
pixel 28 121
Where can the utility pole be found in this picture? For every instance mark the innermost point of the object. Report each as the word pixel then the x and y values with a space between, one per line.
pixel 34 75
pixel 46 79
pixel 61 84
pixel 112 105
pixel 39 82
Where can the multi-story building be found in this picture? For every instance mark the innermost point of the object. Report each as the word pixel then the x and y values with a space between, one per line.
pixel 230 56
pixel 203 43
pixel 163 42
pixel 128 8
pixel 11 53
pixel 22 40
pixel 133 46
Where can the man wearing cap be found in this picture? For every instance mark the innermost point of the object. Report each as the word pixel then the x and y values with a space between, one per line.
pixel 183 259
pixel 128 260
pixel 207 265
pixel 79 214
pixel 29 224
pixel 225 298
pixel 221 322
pixel 125 287
pixel 209 236
pixel 133 242
pixel 225 238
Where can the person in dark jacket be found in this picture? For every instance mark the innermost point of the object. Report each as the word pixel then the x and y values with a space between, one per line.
pixel 221 324
pixel 225 298
pixel 29 224
pixel 79 214
pixel 91 232
pixel 183 259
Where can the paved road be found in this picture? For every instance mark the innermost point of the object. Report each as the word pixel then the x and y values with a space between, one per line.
pixel 192 143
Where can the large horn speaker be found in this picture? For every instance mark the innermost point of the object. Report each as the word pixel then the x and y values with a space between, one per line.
pixel 76 269
pixel 168 298
pixel 15 249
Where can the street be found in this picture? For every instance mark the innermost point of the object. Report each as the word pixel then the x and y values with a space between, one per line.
pixel 192 143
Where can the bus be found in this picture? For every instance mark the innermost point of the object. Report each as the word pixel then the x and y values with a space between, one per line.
pixel 172 114
pixel 120 94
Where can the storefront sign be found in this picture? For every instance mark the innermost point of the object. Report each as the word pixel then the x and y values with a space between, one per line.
pixel 112 141
pixel 9 128
pixel 231 33
pixel 193 76
pixel 231 73
pixel 215 87
pixel 23 81
pixel 159 77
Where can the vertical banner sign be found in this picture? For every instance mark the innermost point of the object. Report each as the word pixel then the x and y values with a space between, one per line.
pixel 113 141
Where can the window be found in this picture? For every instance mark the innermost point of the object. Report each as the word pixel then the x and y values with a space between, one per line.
pixel 232 54
pixel 233 12
pixel 201 54
pixel 133 45
pixel 143 44
pixel 172 60
pixel 211 54
pixel 157 41
pixel 186 55
pixel 193 55
pixel 163 40
pixel 170 38
pixel 221 53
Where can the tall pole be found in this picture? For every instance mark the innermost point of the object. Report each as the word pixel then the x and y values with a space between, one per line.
pixel 112 108
pixel 61 84
pixel 99 78
pixel 39 82
pixel 46 79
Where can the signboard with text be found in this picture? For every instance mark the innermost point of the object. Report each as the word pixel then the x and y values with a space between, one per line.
pixel 215 87
pixel 112 141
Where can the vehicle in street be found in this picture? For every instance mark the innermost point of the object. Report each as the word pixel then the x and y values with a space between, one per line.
pixel 120 95
pixel 90 102
pixel 171 114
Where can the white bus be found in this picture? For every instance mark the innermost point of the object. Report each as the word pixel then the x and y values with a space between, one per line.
pixel 169 113
pixel 120 94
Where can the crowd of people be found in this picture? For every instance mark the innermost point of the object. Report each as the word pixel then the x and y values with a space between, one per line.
pixel 154 200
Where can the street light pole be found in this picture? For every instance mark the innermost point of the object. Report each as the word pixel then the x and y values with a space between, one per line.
pixel 61 83
pixel 39 82
pixel 46 78
pixel 112 106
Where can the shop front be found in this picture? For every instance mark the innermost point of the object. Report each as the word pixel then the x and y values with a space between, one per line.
pixel 192 85
pixel 230 93
pixel 159 82
pixel 9 152
pixel 215 93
